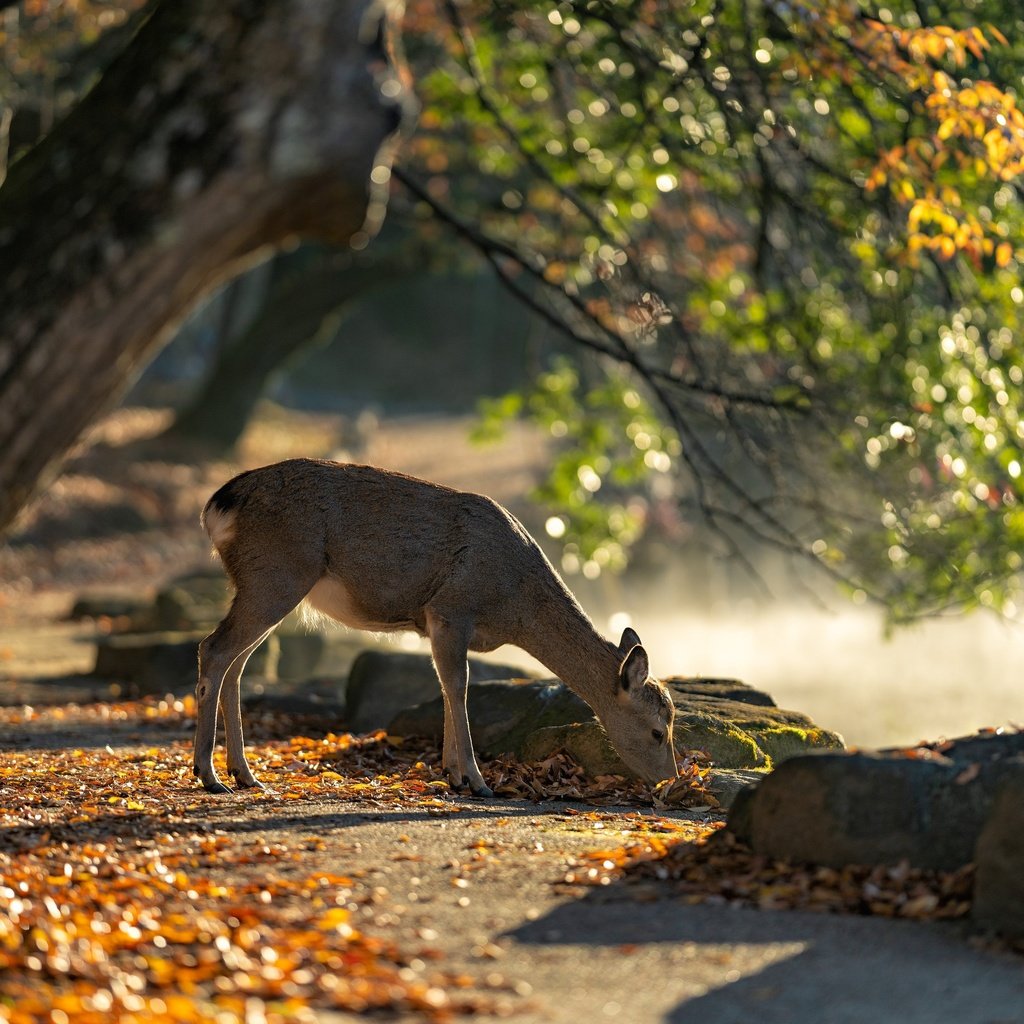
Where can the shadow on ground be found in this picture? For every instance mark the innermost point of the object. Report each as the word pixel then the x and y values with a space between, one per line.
pixel 828 968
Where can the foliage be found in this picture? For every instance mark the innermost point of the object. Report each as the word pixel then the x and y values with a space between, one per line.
pixel 45 66
pixel 793 225
pixel 617 441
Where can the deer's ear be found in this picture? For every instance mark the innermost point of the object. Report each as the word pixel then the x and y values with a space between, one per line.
pixel 634 670
pixel 629 641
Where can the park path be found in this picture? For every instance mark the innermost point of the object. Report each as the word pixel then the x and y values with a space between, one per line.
pixel 481 900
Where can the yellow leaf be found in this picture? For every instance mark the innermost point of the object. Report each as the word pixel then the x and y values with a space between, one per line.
pixel 1004 253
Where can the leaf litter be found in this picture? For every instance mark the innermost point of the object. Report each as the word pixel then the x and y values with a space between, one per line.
pixel 715 867
pixel 115 906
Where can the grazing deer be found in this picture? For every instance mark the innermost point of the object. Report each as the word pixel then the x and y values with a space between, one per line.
pixel 382 551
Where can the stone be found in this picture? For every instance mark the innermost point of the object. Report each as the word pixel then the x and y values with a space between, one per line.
pixel 585 742
pixel 165 662
pixel 320 697
pixel 112 605
pixel 860 808
pixel 331 652
pixel 998 903
pixel 381 684
pixel 981 747
pixel 531 720
pixel 741 730
pixel 502 713
pixel 720 689
pixel 727 784
pixel 196 601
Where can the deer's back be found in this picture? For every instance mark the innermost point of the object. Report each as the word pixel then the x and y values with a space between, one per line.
pixel 393 542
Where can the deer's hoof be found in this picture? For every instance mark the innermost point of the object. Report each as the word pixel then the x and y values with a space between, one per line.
pixel 215 786
pixel 480 790
pixel 247 781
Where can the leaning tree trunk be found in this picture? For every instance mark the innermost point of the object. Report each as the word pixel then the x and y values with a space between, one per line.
pixel 303 305
pixel 223 130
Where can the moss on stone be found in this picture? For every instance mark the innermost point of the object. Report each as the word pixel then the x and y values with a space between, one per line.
pixel 781 742
pixel 726 744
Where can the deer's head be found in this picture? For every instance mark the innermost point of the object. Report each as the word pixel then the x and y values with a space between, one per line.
pixel 640 721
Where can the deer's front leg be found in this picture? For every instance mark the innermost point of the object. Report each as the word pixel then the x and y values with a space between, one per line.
pixel 449 751
pixel 450 646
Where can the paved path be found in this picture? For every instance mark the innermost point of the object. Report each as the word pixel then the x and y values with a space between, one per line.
pixel 629 953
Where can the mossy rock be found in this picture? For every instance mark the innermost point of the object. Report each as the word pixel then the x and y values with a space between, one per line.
pixel 777 733
pixel 791 739
pixel 400 692
pixel 502 713
pixel 523 718
pixel 585 742
pixel 727 744
pixel 588 745
pixel 719 689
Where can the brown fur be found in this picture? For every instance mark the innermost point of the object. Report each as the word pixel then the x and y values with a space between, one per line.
pixel 383 551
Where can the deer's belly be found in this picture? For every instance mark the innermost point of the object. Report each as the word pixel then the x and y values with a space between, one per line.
pixel 332 598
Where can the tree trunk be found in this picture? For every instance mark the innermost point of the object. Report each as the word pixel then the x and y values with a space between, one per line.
pixel 305 303
pixel 222 131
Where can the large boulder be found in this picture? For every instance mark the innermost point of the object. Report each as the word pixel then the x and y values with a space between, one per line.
pixel 999 881
pixel 532 720
pixel 502 713
pixel 720 689
pixel 165 662
pixel 330 652
pixel 381 684
pixel 921 805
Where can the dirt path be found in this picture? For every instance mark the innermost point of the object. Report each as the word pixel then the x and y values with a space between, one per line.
pixel 427 905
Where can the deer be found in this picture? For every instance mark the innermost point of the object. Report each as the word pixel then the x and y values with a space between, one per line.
pixel 381 551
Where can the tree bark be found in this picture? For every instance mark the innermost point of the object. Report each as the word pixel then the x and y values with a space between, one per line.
pixel 306 302
pixel 222 131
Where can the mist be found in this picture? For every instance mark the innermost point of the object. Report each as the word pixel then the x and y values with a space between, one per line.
pixel 937 678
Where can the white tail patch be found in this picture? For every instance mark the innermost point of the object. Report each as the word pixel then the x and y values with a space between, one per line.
pixel 220 525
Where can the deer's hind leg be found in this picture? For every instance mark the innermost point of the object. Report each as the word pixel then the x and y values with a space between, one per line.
pixel 231 709
pixel 255 611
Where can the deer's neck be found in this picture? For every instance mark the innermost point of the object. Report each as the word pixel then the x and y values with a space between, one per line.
pixel 563 639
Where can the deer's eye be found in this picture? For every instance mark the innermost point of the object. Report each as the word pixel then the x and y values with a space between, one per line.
pixel 657 735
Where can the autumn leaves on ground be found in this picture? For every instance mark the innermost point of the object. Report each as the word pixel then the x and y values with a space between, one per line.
pixel 124 901
pixel 130 894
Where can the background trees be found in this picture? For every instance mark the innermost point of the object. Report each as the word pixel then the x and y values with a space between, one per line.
pixel 790 232
pixel 780 237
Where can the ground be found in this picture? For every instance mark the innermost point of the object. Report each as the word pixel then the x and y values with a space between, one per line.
pixel 357 881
